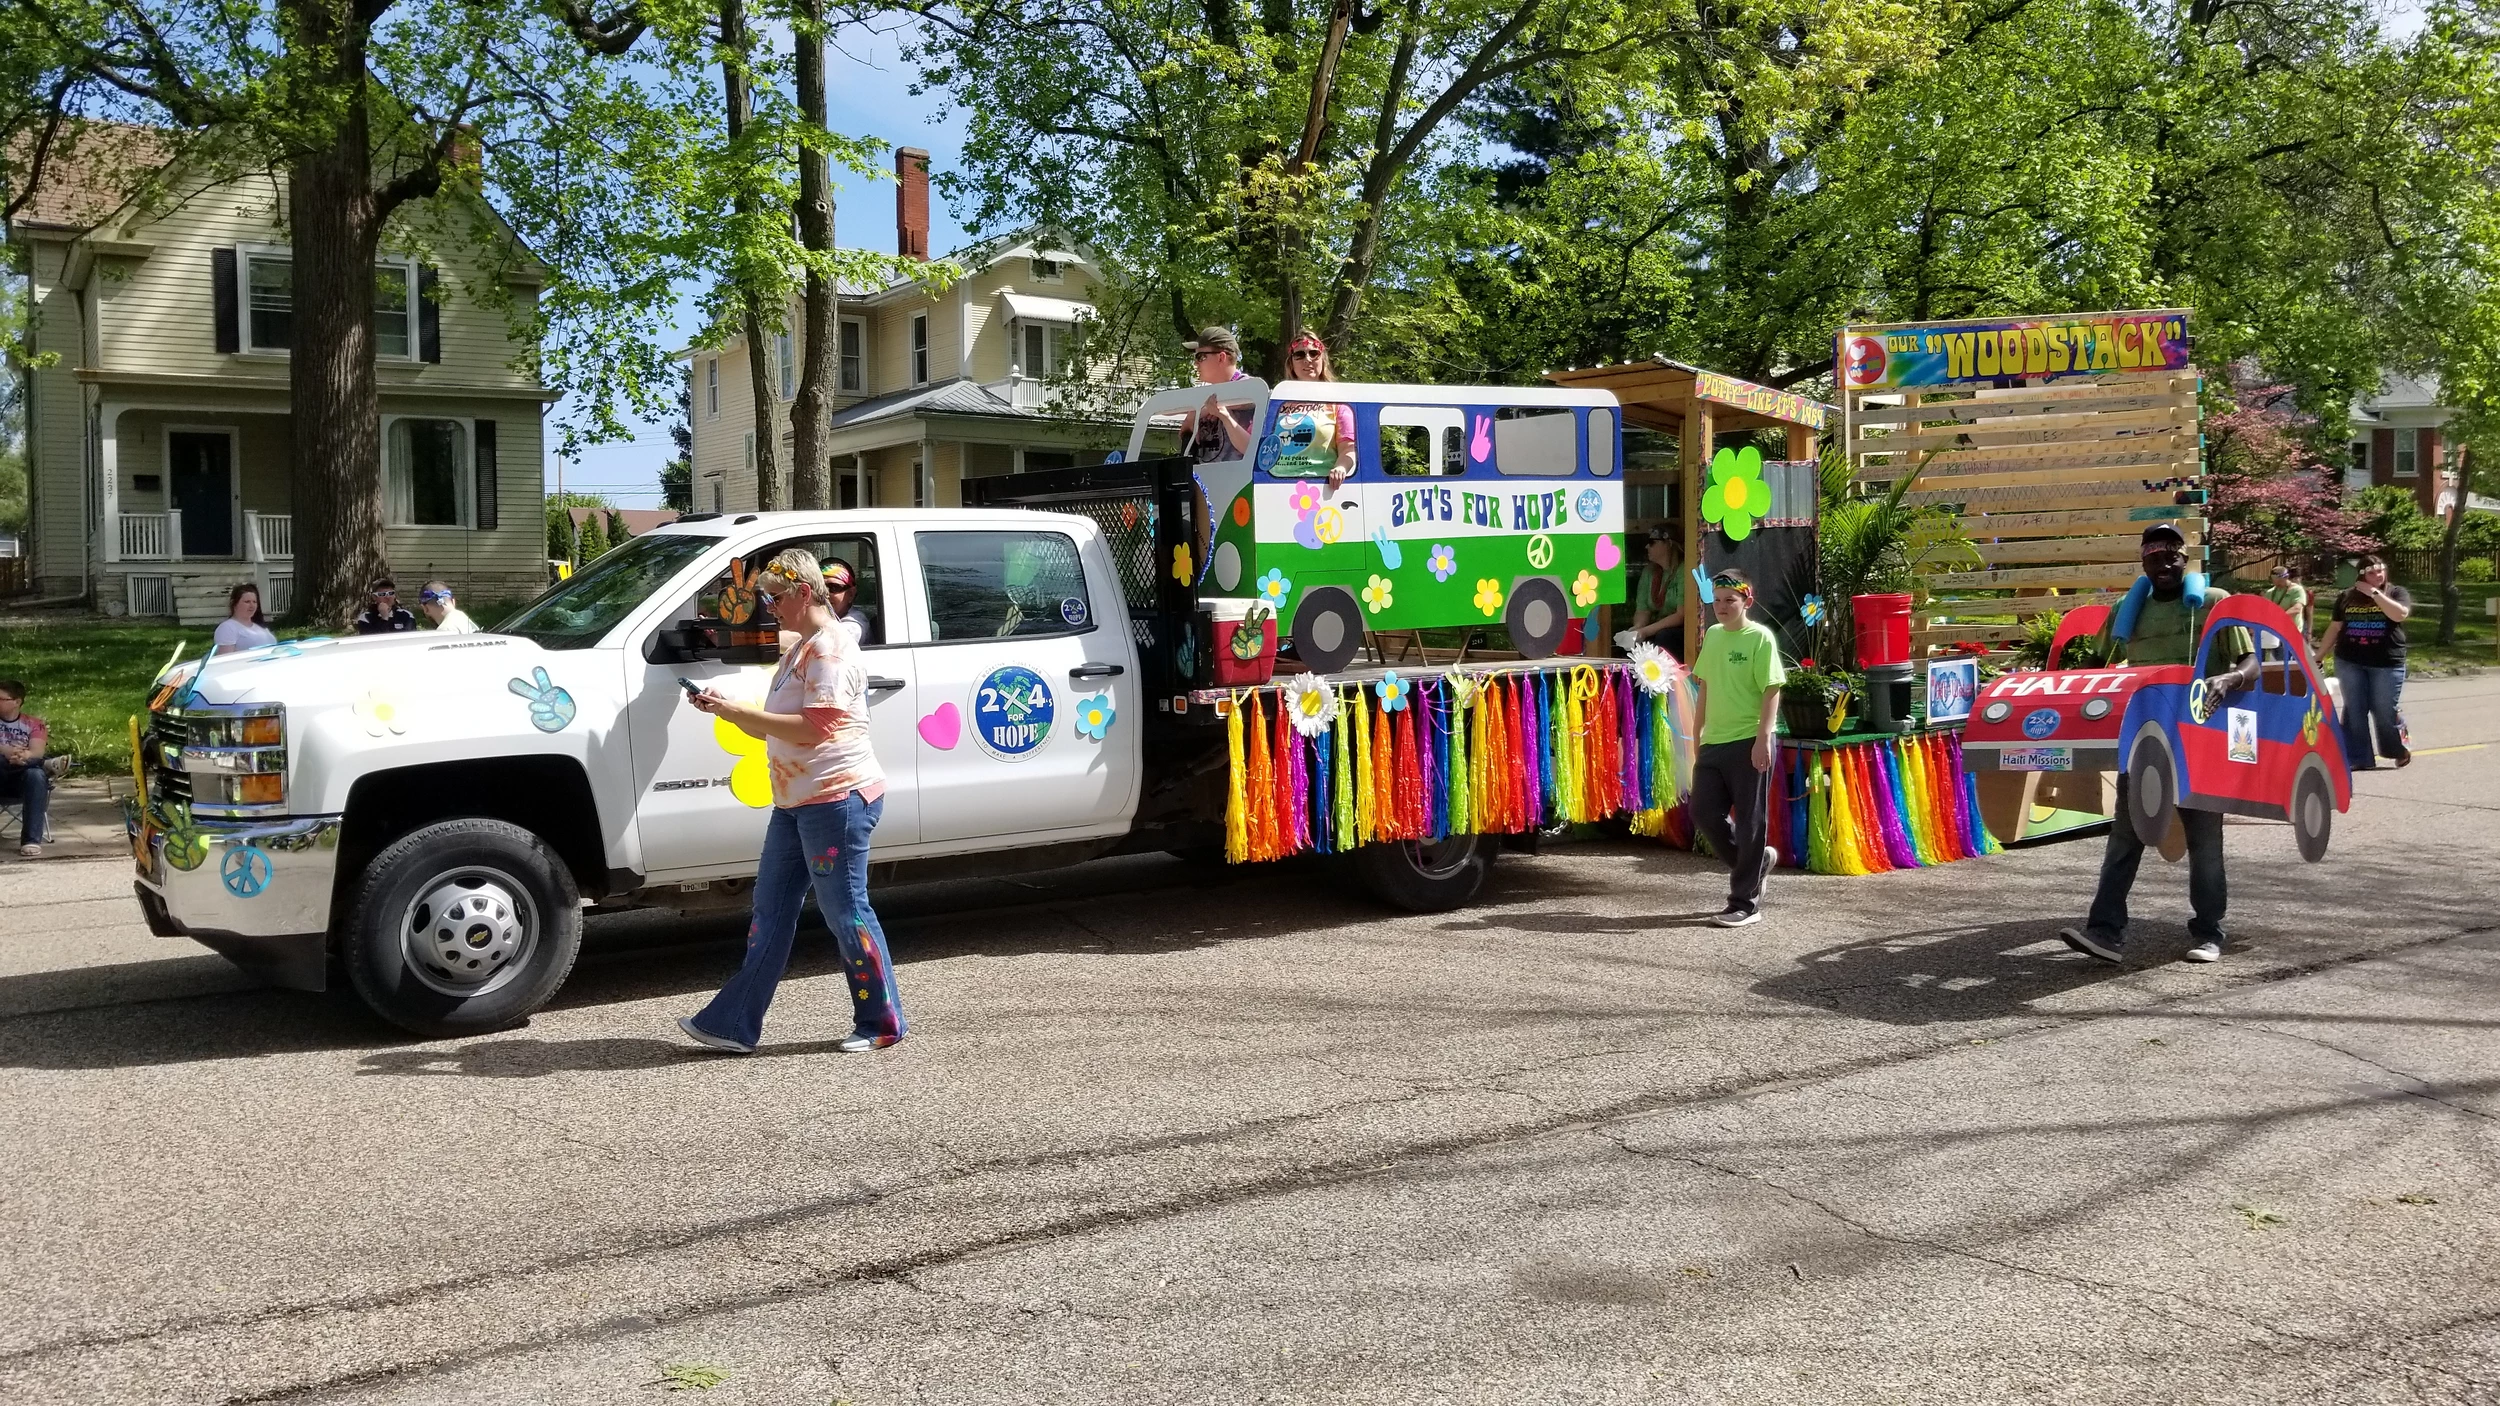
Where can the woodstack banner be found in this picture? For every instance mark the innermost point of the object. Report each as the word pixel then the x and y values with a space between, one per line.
pixel 2054 440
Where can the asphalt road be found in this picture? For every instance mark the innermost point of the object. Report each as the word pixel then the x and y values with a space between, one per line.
pixel 1167 1134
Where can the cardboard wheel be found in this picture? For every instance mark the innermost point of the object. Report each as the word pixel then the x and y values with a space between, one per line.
pixel 2313 814
pixel 2152 800
pixel 1537 617
pixel 1327 630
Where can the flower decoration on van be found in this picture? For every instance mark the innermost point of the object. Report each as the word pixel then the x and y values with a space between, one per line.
pixel 1304 498
pixel 380 713
pixel 1811 610
pixel 1094 716
pixel 1328 524
pixel 1392 691
pixel 751 779
pixel 1489 596
pixel 1442 562
pixel 1274 586
pixel 1310 705
pixel 1181 565
pixel 1737 497
pixel 1584 589
pixel 1656 669
pixel 1376 595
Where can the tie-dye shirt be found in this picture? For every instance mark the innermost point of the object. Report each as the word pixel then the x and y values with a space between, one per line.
pixel 825 681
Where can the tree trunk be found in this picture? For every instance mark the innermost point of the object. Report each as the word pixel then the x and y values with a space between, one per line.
pixel 335 458
pixel 812 414
pixel 2448 596
pixel 735 47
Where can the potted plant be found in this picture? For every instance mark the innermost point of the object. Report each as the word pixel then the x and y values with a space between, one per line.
pixel 1814 700
pixel 2040 631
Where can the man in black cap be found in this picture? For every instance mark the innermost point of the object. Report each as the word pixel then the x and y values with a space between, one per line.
pixel 2160 622
pixel 1218 433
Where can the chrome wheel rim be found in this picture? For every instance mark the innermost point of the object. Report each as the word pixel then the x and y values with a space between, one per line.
pixel 469 932
pixel 1442 858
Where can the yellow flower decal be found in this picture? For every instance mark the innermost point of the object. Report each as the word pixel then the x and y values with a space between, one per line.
pixel 1376 595
pixel 1584 590
pixel 1182 566
pixel 751 780
pixel 1489 596
pixel 1328 524
pixel 380 714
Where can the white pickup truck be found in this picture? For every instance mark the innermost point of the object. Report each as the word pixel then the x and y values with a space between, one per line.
pixel 429 815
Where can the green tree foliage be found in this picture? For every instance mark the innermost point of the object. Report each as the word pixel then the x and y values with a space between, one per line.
pixel 560 539
pixel 618 533
pixel 592 541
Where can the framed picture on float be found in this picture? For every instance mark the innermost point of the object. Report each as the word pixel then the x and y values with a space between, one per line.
pixel 1951 685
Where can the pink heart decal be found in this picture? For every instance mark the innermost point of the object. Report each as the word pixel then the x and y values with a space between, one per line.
pixel 943 728
pixel 1608 554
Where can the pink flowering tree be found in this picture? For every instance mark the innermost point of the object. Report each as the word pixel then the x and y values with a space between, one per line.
pixel 2276 492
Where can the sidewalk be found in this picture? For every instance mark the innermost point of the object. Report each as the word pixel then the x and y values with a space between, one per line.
pixel 86 821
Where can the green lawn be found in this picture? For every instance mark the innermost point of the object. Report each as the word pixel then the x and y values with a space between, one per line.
pixel 85 678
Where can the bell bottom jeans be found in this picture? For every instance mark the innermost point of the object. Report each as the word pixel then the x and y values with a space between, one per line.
pixel 824 846
pixel 2370 699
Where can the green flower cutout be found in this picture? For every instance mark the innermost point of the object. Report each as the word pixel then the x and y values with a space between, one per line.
pixel 1737 497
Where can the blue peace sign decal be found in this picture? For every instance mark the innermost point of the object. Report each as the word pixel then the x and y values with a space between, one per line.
pixel 246 871
pixel 550 707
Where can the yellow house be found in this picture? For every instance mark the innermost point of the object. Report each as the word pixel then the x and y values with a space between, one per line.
pixel 158 420
pixel 932 389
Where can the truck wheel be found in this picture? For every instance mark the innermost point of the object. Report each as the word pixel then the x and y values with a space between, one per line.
pixel 2151 798
pixel 2313 814
pixel 1537 617
pixel 462 927
pixel 1327 630
pixel 1426 876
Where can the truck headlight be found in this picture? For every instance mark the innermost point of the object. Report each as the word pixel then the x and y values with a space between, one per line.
pixel 1998 711
pixel 2096 708
pixel 223 761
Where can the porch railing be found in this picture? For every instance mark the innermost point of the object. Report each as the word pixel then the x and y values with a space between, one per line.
pixel 269 536
pixel 151 536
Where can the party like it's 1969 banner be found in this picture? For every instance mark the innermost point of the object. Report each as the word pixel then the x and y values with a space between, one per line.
pixel 1987 349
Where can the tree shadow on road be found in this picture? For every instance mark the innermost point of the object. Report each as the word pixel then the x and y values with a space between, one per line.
pixel 1963 972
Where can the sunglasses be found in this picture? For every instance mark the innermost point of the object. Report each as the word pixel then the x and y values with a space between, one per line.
pixel 1204 352
pixel 1311 354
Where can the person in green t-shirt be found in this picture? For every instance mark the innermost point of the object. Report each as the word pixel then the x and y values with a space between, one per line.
pixel 1739 671
pixel 2160 623
pixel 1658 612
pixel 2288 593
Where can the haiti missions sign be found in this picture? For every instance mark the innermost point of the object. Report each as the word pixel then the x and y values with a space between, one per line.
pixel 1988 349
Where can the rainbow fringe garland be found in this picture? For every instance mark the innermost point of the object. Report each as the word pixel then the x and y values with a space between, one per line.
pixel 1869 807
pixel 1494 753
pixel 1512 751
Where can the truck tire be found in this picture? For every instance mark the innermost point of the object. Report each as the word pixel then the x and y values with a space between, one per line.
pixel 2313 813
pixel 2152 798
pixel 1537 617
pixel 1327 630
pixel 461 927
pixel 1427 876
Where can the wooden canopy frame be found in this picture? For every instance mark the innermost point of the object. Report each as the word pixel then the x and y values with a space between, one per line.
pixel 1696 406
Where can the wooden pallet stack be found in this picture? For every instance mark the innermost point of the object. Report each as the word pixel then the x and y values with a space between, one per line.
pixel 2054 441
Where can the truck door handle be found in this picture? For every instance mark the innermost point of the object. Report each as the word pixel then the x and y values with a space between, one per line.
pixel 880 685
pixel 1097 671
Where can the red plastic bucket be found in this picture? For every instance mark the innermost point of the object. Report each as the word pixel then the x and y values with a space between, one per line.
pixel 1883 625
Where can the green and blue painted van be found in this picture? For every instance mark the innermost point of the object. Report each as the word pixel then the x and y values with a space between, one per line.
pixel 1457 506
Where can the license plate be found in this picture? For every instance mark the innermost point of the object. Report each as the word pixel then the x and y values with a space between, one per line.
pixel 2036 759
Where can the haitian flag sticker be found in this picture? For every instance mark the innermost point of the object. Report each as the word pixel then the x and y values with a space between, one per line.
pixel 1012 712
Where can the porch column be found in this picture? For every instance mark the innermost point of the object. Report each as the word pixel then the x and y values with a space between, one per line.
pixel 109 464
pixel 1693 455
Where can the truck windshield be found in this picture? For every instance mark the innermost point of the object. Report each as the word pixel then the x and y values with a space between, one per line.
pixel 580 611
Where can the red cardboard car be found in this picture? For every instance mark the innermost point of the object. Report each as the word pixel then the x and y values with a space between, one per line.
pixel 2271 750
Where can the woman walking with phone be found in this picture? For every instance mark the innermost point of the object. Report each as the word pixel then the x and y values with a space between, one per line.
pixel 827 794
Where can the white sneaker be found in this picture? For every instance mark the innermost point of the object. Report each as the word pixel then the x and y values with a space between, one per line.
pixel 2205 952
pixel 1736 918
pixel 709 1040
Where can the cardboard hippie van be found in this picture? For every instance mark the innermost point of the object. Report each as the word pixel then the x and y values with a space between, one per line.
pixel 1460 506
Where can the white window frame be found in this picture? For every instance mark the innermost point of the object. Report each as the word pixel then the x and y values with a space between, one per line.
pixel 464 484
pixel 920 349
pixel 1055 338
pixel 245 253
pixel 786 354
pixel 2408 455
pixel 853 364
pixel 711 387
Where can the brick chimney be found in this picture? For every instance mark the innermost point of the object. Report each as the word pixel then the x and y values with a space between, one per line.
pixel 911 203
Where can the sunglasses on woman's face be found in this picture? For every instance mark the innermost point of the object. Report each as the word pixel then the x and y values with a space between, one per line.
pixel 1307 355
